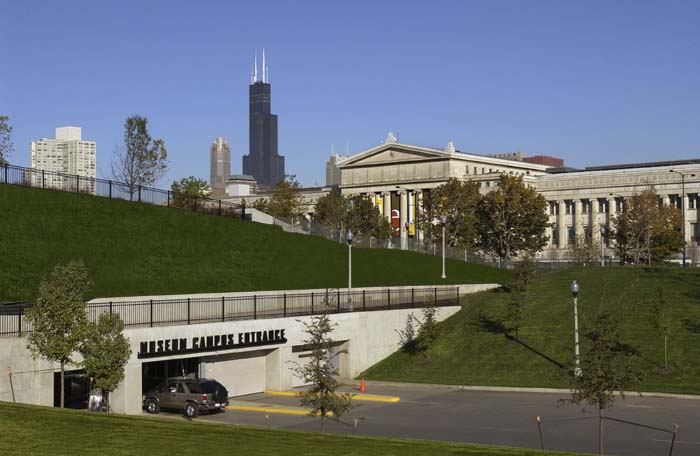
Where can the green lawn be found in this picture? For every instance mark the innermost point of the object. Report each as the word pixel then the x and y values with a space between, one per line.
pixel 474 350
pixel 28 430
pixel 139 249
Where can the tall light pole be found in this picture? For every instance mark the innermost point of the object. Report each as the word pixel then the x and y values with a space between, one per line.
pixel 602 246
pixel 444 221
pixel 574 292
pixel 349 239
pixel 682 203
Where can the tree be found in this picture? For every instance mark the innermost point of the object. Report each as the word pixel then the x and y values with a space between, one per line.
pixel 320 374
pixel 585 250
pixel 512 219
pixel 141 160
pixel 429 330
pixel 59 319
pixel 606 367
pixel 457 200
pixel 6 146
pixel 330 211
pixel 188 190
pixel 516 306
pixel 105 352
pixel 364 220
pixel 286 200
pixel 663 320
pixel 647 232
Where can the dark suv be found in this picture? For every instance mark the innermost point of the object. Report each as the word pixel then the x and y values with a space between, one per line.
pixel 190 395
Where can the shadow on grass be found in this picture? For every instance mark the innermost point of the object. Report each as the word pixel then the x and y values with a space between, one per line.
pixel 496 327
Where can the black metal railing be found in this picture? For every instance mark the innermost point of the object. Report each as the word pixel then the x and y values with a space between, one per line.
pixel 73 183
pixel 168 312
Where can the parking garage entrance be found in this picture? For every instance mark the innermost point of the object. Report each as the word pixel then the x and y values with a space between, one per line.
pixel 156 372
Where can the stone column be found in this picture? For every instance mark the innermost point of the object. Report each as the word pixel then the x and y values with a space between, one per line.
pixel 419 215
pixel 561 225
pixel 595 229
pixel 578 219
pixel 403 218
pixel 387 205
pixel 666 200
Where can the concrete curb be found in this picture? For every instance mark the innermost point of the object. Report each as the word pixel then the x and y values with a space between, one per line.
pixel 357 397
pixel 516 389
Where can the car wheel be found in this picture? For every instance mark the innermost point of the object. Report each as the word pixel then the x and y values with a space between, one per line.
pixel 191 410
pixel 152 406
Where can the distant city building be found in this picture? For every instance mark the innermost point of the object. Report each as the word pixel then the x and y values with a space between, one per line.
pixel 220 161
pixel 262 161
pixel 67 154
pixel 241 185
pixel 544 160
pixel 332 170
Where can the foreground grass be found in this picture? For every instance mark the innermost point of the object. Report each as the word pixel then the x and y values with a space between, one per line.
pixel 476 349
pixel 27 429
pixel 138 249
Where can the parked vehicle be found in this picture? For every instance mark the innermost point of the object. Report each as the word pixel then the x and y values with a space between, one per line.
pixel 190 395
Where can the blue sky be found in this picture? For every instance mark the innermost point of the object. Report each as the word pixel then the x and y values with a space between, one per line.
pixel 591 82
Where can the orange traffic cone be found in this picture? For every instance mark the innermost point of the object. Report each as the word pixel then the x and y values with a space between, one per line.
pixel 362 385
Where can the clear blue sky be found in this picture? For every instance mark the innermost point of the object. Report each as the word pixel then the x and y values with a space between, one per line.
pixel 591 82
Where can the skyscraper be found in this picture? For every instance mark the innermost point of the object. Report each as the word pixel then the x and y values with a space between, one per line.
pixel 220 160
pixel 69 154
pixel 262 161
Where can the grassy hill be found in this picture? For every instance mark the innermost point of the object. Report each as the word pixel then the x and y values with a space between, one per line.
pixel 139 249
pixel 474 349
pixel 27 429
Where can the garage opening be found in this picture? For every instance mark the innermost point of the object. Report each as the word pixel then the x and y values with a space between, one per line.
pixel 156 372
pixel 77 389
pixel 241 373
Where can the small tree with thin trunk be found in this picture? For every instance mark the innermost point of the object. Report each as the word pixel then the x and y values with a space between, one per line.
pixel 663 320
pixel 320 374
pixel 607 367
pixel 429 330
pixel 105 353
pixel 6 145
pixel 59 319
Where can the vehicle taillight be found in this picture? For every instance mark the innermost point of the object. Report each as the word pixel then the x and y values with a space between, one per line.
pixel 204 397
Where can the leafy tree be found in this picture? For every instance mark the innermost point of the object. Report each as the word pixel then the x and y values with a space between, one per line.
pixel 606 367
pixel 105 352
pixel 319 373
pixel 457 200
pixel 189 189
pixel 330 211
pixel 646 232
pixel 585 250
pixel 59 318
pixel 429 329
pixel 286 200
pixel 6 146
pixel 664 321
pixel 516 306
pixel 364 220
pixel 141 160
pixel 512 219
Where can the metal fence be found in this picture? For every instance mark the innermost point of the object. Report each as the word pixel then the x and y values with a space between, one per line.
pixel 50 180
pixel 168 312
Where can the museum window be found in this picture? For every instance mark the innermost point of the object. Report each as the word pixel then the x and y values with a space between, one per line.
pixel 692 201
pixel 603 206
pixel 555 234
pixel 585 206
pixel 553 208
pixel 568 204
pixel 694 232
pixel 570 235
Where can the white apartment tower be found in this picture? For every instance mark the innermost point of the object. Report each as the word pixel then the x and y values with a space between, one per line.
pixel 220 160
pixel 63 158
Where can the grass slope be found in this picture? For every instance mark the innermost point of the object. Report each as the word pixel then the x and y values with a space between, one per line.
pixel 39 430
pixel 474 350
pixel 138 249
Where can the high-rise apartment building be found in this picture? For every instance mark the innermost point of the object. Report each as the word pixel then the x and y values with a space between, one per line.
pixel 220 161
pixel 67 154
pixel 262 161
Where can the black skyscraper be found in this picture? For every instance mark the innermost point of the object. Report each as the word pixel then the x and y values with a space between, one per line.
pixel 262 161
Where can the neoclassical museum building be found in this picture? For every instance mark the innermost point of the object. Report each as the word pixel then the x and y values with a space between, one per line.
pixel 396 176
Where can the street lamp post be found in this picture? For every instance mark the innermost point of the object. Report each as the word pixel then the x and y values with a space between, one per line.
pixel 602 246
pixel 682 204
pixel 349 239
pixel 444 221
pixel 574 292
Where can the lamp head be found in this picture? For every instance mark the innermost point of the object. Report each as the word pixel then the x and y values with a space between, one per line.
pixel 349 237
pixel 443 219
pixel 574 288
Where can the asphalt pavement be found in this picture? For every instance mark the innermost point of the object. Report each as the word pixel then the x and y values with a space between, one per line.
pixel 498 418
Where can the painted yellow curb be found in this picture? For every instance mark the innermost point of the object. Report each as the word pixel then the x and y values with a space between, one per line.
pixel 283 411
pixel 359 397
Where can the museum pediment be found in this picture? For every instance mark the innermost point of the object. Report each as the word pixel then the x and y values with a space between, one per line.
pixel 393 153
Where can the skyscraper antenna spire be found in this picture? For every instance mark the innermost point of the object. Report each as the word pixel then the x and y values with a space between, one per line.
pixel 264 67
pixel 255 66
